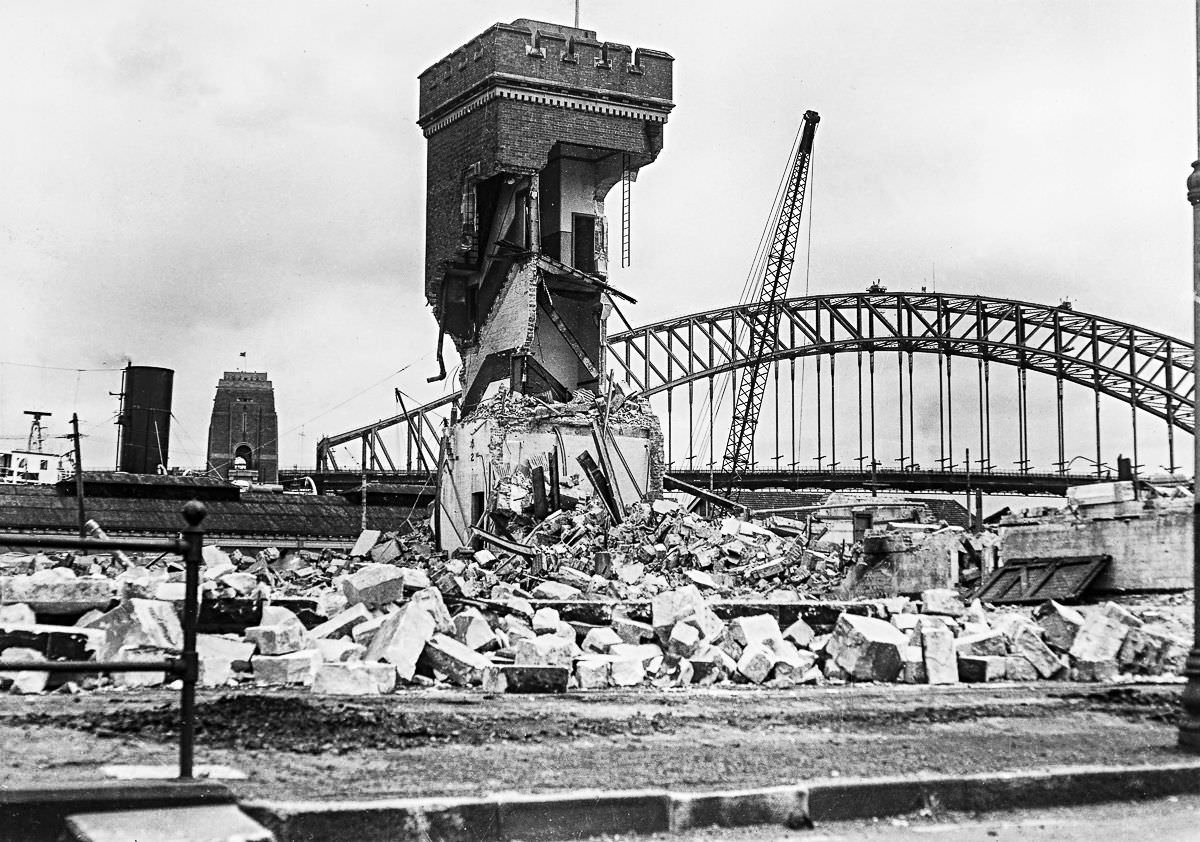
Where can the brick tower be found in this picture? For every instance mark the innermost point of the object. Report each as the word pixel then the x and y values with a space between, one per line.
pixel 243 435
pixel 529 125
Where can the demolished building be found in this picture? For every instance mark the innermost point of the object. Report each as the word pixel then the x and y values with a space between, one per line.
pixel 529 126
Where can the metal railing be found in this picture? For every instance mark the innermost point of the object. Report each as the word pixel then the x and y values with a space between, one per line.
pixel 189 544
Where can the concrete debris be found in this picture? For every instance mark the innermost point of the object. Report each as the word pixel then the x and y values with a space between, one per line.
pixel 867 649
pixel 26 681
pixel 354 678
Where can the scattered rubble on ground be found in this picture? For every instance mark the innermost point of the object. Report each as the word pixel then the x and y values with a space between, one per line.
pixel 665 599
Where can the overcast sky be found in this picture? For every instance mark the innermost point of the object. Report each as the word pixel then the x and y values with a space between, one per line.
pixel 184 182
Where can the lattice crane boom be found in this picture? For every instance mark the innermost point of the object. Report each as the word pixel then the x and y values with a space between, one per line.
pixel 764 322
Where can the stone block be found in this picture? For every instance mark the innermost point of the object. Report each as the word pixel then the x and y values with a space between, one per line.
pixel 1121 614
pixel 137 623
pixel 758 628
pixel 545 650
pixel 1060 624
pixel 292 668
pixel 401 639
pixel 1099 638
pixel 800 633
pixel 18 613
pixel 472 629
pixel 431 600
pixel 792 663
pixel 342 625
pixel 975 669
pixel 365 631
pixel 593 672
pixel 278 640
pixel 26 681
pixel 1105 670
pixel 866 648
pixel 683 640
pixel 670 607
pixel 1019 668
pixel 374 585
pixel 632 631
pixel 354 678
pixel 944 601
pixel 52 592
pixel 460 664
pixel 981 644
pixel 644 653
pixel 601 639
pixel 217 654
pixel 556 592
pixel 527 678
pixel 573 577
pixel 627 671
pixel 545 621
pixel 1028 644
pixel 1148 652
pixel 913 671
pixel 140 679
pixel 756 662
pixel 339 650
pixel 937 649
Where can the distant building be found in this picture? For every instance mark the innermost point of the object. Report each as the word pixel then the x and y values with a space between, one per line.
pixel 243 435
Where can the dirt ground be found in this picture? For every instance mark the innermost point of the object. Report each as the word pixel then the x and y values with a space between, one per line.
pixel 293 745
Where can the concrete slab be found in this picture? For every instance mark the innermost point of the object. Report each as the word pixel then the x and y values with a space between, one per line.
pixel 221 823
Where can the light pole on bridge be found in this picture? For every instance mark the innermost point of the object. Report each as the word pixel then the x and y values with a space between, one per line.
pixel 1189 724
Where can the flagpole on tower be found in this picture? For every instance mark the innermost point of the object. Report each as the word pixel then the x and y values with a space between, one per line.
pixel 576 14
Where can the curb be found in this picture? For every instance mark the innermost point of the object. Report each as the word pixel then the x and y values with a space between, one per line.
pixel 585 813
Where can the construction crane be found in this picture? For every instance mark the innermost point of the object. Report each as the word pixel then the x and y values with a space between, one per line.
pixel 764 319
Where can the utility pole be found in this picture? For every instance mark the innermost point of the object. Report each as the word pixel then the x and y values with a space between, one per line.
pixel 78 475
pixel 1189 722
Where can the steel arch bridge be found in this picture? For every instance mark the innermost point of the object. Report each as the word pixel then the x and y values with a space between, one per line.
pixel 671 360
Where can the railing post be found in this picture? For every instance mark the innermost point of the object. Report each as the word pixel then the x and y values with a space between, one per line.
pixel 193 558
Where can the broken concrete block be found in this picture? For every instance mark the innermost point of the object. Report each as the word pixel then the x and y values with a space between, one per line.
pixel 944 601
pixel 339 649
pixel 1105 670
pixel 401 639
pixel 1121 614
pixel 710 665
pixel 683 640
pixel 756 662
pixel 627 671
pixel 341 626
pixel 1148 652
pixel 57 591
pixel 981 644
pixel 574 578
pixel 1099 638
pixel 374 585
pixel 975 669
pixel 545 650
pixel 800 633
pixel 937 650
pixel 556 592
pixel 431 600
pixel 292 668
pixel 1060 624
pixel 601 639
pixel 216 655
pixel 243 584
pixel 759 628
pixel 140 679
pixel 460 664
pixel 138 623
pixel 866 648
pixel 905 622
pixel 1028 644
pixel 278 640
pixel 471 629
pixel 632 631
pixel 976 613
pixel 385 552
pixel 593 672
pixel 528 678
pixel 792 663
pixel 354 678
pixel 545 621
pixel 24 681
pixel 1019 668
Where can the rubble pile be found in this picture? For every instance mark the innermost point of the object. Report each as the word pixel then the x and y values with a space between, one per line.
pixel 388 627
